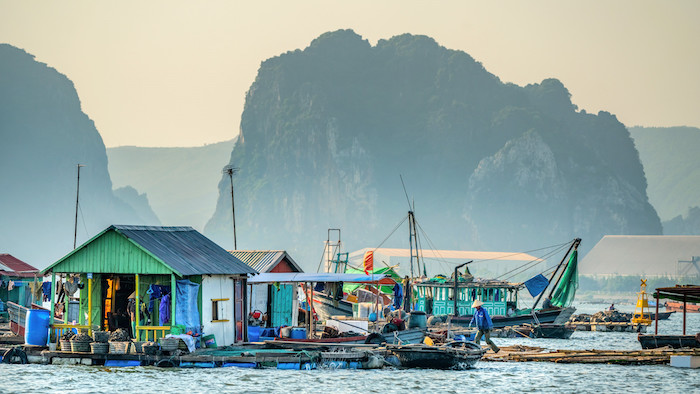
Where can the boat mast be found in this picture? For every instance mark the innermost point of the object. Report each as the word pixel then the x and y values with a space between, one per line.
pixel 411 237
pixel 574 244
pixel 577 242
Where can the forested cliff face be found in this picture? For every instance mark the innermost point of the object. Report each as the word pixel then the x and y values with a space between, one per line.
pixel 327 131
pixel 43 136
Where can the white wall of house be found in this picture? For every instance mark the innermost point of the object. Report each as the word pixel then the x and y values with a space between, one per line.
pixel 218 287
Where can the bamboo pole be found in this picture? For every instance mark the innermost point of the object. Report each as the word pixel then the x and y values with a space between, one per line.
pixel 656 317
pixel 172 303
pixel 684 312
pixel 311 312
pixel 138 309
pixel 90 303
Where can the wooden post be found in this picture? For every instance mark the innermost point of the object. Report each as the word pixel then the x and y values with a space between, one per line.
pixel 306 314
pixel 90 303
pixel 53 297
pixel 173 293
pixel 313 322
pixel 138 310
pixel 656 317
pixel 684 312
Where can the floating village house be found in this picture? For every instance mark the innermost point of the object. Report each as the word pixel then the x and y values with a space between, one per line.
pixel 145 263
pixel 279 301
pixel 15 279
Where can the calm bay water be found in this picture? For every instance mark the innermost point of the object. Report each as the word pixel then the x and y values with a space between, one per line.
pixel 486 377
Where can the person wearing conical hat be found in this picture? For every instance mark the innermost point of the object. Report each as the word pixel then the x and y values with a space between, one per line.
pixel 484 324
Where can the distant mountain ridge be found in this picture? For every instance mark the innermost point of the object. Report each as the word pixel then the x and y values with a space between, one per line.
pixel 180 182
pixel 44 134
pixel 326 132
pixel 672 167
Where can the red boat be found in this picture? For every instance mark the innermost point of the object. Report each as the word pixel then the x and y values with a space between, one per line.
pixel 678 306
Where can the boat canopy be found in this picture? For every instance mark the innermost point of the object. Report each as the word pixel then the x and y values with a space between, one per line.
pixel 441 281
pixel 300 277
pixel 688 293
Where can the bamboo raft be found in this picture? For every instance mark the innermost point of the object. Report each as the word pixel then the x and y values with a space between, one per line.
pixel 624 357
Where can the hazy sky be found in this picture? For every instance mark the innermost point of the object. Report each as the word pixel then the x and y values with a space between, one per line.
pixel 175 73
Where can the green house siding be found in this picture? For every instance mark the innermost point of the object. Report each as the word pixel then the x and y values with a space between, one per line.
pixel 111 253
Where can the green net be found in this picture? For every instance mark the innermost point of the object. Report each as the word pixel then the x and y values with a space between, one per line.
pixel 386 289
pixel 566 289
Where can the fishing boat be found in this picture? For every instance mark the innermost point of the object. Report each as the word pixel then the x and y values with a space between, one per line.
pixel 436 296
pixel 677 306
pixel 326 306
pixel 675 341
pixel 682 295
pixel 457 355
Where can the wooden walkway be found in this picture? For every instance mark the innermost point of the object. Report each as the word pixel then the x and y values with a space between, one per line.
pixel 626 357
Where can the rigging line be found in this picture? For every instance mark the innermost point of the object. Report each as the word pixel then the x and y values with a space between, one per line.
pixel 523 267
pixel 540 259
pixel 405 192
pixel 530 264
pixel 82 217
pixel 430 242
pixel 434 248
pixel 562 245
pixel 391 233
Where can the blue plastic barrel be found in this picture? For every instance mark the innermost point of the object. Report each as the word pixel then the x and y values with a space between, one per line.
pixel 36 330
pixel 298 333
pixel 253 333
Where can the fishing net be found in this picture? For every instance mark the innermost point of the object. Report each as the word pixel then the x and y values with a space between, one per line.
pixel 566 289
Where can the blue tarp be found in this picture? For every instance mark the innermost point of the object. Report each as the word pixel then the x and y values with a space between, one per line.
pixel 536 284
pixel 186 312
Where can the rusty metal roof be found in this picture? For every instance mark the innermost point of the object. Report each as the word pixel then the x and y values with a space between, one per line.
pixel 691 293
pixel 264 260
pixel 12 266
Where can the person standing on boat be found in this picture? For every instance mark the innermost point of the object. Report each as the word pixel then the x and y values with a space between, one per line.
pixel 484 324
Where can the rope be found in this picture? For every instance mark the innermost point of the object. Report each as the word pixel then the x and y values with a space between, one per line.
pixel 391 233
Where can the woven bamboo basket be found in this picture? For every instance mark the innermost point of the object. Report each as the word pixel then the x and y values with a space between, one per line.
pixel 120 347
pixel 79 346
pixel 65 345
pixel 169 344
pixel 99 347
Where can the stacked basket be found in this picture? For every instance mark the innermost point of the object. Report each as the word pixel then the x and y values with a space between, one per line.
pixel 64 341
pixel 80 343
pixel 169 344
pixel 101 345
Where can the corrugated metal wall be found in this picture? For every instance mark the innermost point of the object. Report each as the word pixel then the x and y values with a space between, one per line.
pixel 112 253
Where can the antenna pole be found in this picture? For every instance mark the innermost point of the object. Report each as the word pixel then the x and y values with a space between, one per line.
pixel 77 199
pixel 230 170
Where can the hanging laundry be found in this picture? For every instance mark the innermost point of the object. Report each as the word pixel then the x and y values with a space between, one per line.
pixel 11 285
pixel 46 289
pixel 164 310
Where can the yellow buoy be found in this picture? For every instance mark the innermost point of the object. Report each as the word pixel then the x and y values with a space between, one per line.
pixel 640 316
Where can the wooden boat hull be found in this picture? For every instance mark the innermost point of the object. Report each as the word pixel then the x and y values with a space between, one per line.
pixel 544 316
pixel 557 331
pixel 431 357
pixel 674 341
pixel 678 306
pixel 326 307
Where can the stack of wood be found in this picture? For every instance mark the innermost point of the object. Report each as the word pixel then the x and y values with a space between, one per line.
pixel 625 357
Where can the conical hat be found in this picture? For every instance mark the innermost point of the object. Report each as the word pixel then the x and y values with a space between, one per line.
pixel 477 303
